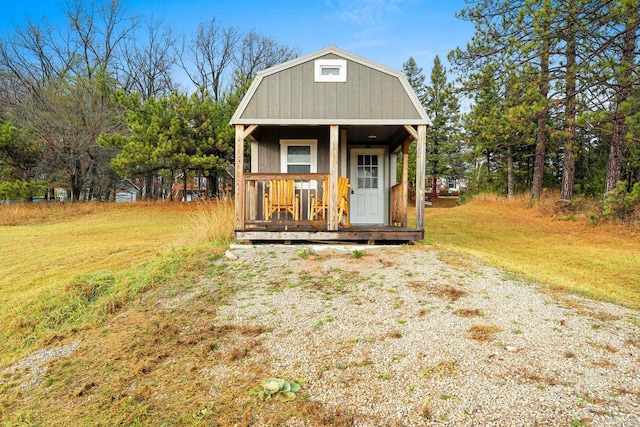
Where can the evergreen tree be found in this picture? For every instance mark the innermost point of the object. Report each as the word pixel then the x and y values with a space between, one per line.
pixel 416 79
pixel 177 133
pixel 443 137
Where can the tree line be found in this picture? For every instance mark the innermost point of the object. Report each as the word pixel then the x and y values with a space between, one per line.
pixel 110 95
pixel 555 95
pixel 552 87
pixel 554 100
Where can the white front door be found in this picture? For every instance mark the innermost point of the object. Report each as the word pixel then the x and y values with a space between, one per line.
pixel 366 203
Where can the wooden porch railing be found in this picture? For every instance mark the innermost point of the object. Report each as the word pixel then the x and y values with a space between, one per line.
pixel 282 200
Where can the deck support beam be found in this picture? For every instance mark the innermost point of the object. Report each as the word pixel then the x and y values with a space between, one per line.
pixel 405 180
pixel 334 139
pixel 239 176
pixel 421 151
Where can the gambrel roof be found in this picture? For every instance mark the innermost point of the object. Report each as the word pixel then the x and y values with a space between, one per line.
pixel 288 94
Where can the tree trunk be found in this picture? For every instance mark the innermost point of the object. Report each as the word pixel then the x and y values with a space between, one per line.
pixel 212 185
pixel 148 186
pixel 184 184
pixel 76 181
pixel 569 161
pixel 511 187
pixel 541 136
pixel 170 185
pixel 624 83
pixel 76 188
pixel 616 152
pixel 489 178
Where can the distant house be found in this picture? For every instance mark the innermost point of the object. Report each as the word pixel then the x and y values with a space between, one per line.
pixel 448 185
pixel 313 122
pixel 126 191
pixel 195 189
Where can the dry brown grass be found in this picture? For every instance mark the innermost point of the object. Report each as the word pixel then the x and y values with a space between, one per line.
pixel 54 212
pixel 480 332
pixel 160 363
pixel 70 264
pixel 468 312
pixel 213 221
pixel 517 234
pixel 444 291
pixel 450 292
pixel 535 377
pixel 461 262
pixel 606 347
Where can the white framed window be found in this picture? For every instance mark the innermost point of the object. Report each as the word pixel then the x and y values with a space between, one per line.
pixel 298 155
pixel 330 70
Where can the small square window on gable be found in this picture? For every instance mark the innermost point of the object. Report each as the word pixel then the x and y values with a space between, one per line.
pixel 330 70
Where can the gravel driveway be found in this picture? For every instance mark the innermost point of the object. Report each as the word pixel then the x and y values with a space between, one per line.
pixel 415 336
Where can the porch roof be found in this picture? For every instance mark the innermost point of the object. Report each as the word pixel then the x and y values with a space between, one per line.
pixel 372 94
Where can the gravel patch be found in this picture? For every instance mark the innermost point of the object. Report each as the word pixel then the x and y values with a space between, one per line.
pixel 31 369
pixel 414 336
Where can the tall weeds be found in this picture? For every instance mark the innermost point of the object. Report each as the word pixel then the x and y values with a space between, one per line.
pixel 37 213
pixel 548 204
pixel 212 221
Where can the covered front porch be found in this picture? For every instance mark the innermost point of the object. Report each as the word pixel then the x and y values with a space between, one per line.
pixel 260 216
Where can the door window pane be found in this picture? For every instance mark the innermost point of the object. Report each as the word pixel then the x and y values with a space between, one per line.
pixel 367 171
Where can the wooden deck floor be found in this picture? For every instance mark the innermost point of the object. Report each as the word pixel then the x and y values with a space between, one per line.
pixel 369 234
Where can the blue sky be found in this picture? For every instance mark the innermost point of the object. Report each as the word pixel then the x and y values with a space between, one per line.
pixel 385 31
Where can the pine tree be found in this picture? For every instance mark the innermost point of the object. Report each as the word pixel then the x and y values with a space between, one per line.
pixel 175 133
pixel 443 137
pixel 416 79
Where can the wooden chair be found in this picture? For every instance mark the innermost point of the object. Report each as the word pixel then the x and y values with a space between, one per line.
pixel 320 205
pixel 280 197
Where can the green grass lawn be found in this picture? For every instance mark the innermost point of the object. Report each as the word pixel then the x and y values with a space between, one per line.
pixel 38 257
pixel 61 266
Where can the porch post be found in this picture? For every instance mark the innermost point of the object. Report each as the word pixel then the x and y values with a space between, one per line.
pixel 405 180
pixel 332 217
pixel 420 175
pixel 239 179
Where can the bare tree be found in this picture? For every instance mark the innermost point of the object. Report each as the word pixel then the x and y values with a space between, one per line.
pixel 96 31
pixel 258 52
pixel 58 85
pixel 209 55
pixel 147 67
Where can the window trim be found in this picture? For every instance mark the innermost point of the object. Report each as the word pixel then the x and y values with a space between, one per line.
pixel 341 64
pixel 286 143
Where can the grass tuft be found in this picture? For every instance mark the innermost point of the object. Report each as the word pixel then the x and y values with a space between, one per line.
pixel 480 332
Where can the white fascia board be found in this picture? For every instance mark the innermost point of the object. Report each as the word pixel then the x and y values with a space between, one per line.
pixel 340 122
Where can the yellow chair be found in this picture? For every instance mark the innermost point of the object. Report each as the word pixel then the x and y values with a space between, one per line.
pixel 320 205
pixel 280 197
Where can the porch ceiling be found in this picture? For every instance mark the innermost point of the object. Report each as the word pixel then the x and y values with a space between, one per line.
pixel 392 135
pixel 383 134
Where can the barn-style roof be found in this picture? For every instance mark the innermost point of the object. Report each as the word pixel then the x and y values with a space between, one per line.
pixel 288 94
